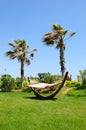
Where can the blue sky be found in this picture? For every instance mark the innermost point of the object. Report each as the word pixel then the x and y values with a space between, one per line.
pixel 30 20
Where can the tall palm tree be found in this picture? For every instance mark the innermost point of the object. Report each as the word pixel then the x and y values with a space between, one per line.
pixel 20 49
pixel 57 37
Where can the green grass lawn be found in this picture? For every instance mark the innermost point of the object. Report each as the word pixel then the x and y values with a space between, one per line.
pixel 18 111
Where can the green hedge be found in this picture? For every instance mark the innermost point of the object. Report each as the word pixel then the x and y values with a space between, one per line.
pixel 73 84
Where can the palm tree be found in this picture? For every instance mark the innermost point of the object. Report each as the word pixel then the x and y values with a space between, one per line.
pixel 57 37
pixel 20 49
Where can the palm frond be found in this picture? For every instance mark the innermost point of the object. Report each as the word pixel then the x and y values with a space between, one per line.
pixel 55 35
pixel 12 57
pixel 11 44
pixel 31 55
pixel 72 33
pixel 57 27
pixel 9 53
pixel 57 44
pixel 17 41
pixel 47 34
pixel 31 51
pixel 63 32
pixel 48 37
pixel 49 42
pixel 20 53
pixel 27 61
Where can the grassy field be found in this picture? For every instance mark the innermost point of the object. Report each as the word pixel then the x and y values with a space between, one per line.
pixel 19 111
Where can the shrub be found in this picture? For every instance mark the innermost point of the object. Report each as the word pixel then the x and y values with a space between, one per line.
pixel 26 87
pixel 18 83
pixel 7 83
pixel 73 84
pixel 0 85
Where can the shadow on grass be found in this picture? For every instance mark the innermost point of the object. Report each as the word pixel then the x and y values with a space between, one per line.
pixel 77 93
pixel 82 87
pixel 35 98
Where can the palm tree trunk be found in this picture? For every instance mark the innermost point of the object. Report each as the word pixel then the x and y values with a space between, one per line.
pixel 22 71
pixel 62 59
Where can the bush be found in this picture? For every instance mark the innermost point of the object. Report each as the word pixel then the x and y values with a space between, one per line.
pixel 26 87
pixel 18 83
pixel 0 85
pixel 7 83
pixel 73 84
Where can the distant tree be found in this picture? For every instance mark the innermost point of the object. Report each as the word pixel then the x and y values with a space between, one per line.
pixel 20 49
pixel 57 37
pixel 82 76
pixel 48 77
pixel 41 76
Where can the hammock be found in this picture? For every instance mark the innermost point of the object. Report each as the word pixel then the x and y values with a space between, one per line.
pixel 46 85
